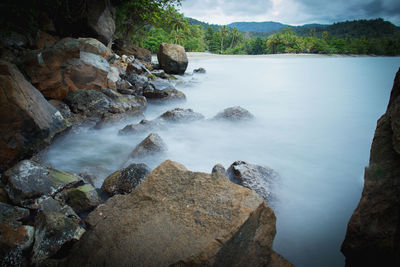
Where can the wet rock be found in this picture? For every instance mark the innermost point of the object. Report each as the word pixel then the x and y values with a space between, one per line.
pixel 372 235
pixel 127 91
pixel 139 82
pixel 55 225
pixel 199 70
pixel 137 67
pixel 180 115
pixel 260 179
pixel 172 58
pixel 81 198
pixel 13 39
pixel 123 85
pixel 88 102
pixel 160 84
pixel 219 168
pixel 163 75
pixel 151 145
pixel 142 127
pixel 10 214
pixel 62 107
pixel 128 103
pixel 125 180
pixel 27 122
pixel 234 114
pixel 108 119
pixel 164 95
pixel 16 236
pixel 28 181
pixel 180 218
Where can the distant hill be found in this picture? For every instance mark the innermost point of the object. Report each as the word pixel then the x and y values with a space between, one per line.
pixel 215 27
pixel 264 27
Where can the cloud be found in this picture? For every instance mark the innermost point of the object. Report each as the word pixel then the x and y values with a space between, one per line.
pixel 291 11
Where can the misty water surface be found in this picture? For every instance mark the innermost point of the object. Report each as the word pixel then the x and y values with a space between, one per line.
pixel 315 119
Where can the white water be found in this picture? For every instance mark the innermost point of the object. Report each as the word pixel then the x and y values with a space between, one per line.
pixel 315 119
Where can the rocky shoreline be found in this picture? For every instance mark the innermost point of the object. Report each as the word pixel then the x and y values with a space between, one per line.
pixel 165 216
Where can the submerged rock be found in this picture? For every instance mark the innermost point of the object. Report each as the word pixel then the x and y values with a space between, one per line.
pixel 150 146
pixel 164 95
pixel 142 127
pixel 260 179
pixel 180 115
pixel 372 237
pixel 199 70
pixel 180 218
pixel 55 225
pixel 172 58
pixel 28 181
pixel 234 114
pixel 219 168
pixel 125 180
pixel 27 122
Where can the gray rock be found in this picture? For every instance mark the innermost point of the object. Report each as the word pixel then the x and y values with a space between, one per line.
pixel 88 102
pixel 62 107
pixel 260 179
pixel 180 115
pixel 139 82
pixel 172 58
pixel 234 114
pixel 151 145
pixel 137 67
pixel 100 19
pixel 108 119
pixel 81 198
pixel 55 225
pixel 29 181
pixel 199 70
pixel 10 214
pixel 219 168
pixel 142 127
pixel 125 180
pixel 164 95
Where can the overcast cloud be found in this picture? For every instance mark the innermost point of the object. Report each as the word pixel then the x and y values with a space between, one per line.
pixel 295 12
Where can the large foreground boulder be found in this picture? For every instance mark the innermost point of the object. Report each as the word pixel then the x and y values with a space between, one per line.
pixel 176 217
pixel 373 232
pixel 27 122
pixel 172 58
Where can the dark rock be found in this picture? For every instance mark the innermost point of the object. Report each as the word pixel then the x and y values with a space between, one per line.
pixel 88 102
pixel 81 198
pixel 137 52
pixel 28 181
pixel 372 237
pixel 127 91
pixel 234 114
pixel 137 67
pixel 123 85
pixel 143 126
pixel 260 179
pixel 180 218
pixel 219 168
pixel 94 46
pixel 128 103
pixel 13 39
pixel 180 115
pixel 100 19
pixel 45 40
pixel 160 84
pixel 172 58
pixel 151 145
pixel 55 225
pixel 164 95
pixel 12 214
pixel 108 119
pixel 125 180
pixel 16 236
pixel 199 70
pixel 27 122
pixel 62 107
pixel 139 82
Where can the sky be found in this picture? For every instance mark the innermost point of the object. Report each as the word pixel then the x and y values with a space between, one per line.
pixel 293 12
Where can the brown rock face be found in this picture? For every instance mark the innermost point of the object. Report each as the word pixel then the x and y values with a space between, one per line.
pixel 27 121
pixel 132 50
pixel 373 232
pixel 180 218
pixel 172 58
pixel 67 66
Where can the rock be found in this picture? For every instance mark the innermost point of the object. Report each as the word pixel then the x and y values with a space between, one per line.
pixel 142 127
pixel 137 67
pixel 234 114
pixel 180 218
pixel 55 225
pixel 123 85
pixel 139 82
pixel 151 145
pixel 108 119
pixel 164 95
pixel 81 198
pixel 372 237
pixel 126 91
pixel 88 102
pixel 125 180
pixel 199 70
pixel 13 39
pixel 94 46
pixel 172 58
pixel 138 52
pixel 160 84
pixel 27 122
pixel 179 115
pixel 219 168
pixel 65 67
pixel 126 103
pixel 45 40
pixel 100 20
pixel 28 181
pixel 12 214
pixel 260 179
pixel 16 236
pixel 62 107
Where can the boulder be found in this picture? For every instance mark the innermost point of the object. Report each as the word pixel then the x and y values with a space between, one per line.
pixel 139 82
pixel 55 225
pixel 108 119
pixel 27 122
pixel 94 46
pixel 372 237
pixel 199 70
pixel 151 145
pixel 66 66
pixel 176 217
pixel 137 67
pixel 81 198
pixel 172 58
pixel 234 114
pixel 61 107
pixel 100 19
pixel 164 95
pixel 45 40
pixel 143 126
pixel 16 236
pixel 125 180
pixel 132 50
pixel 29 182
pixel 88 102
pixel 260 179
pixel 10 214
pixel 180 115
pixel 219 168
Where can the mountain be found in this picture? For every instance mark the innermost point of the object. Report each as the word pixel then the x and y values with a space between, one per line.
pixel 205 25
pixel 265 27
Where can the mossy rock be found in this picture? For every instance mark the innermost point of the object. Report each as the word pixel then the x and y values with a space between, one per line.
pixel 81 198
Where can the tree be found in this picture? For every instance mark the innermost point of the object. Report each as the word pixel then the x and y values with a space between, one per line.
pixel 235 34
pixel 223 32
